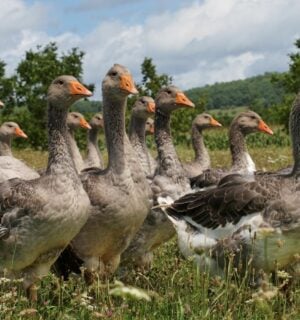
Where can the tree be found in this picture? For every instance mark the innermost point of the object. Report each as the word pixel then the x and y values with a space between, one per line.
pixel 6 89
pixel 291 79
pixel 152 82
pixel 33 77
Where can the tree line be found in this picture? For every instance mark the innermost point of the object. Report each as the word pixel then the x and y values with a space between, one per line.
pixel 24 93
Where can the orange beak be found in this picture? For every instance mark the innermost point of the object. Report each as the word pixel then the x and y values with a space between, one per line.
pixel 215 123
pixel 84 124
pixel 151 107
pixel 127 84
pixel 182 99
pixel 20 133
pixel 263 127
pixel 76 88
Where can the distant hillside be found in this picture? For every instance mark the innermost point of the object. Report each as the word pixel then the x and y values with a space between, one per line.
pixel 256 91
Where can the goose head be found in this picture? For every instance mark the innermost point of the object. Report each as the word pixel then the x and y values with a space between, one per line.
pixel 65 90
pixel 249 122
pixel 12 130
pixel 205 121
pixel 143 108
pixel 171 98
pixel 76 120
pixel 149 129
pixel 1 104
pixel 97 121
pixel 118 82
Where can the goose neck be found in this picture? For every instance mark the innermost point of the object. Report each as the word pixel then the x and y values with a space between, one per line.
pixel 60 160
pixel 94 154
pixel 5 145
pixel 167 156
pixel 114 124
pixel 241 159
pixel 137 134
pixel 75 152
pixel 201 153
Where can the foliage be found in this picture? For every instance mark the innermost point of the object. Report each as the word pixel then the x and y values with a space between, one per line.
pixel 254 91
pixel 151 81
pixel 290 81
pixel 27 89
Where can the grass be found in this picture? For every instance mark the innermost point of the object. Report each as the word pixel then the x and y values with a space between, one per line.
pixel 173 289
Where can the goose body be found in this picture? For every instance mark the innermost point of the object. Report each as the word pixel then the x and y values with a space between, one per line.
pixel 244 214
pixel 243 124
pixel 168 184
pixel 201 162
pixel 41 228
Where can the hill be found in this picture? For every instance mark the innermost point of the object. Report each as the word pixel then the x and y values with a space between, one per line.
pixel 258 91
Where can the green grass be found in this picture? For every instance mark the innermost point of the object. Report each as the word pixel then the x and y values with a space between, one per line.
pixel 176 288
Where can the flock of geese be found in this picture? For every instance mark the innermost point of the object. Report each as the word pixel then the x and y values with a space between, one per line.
pixel 77 214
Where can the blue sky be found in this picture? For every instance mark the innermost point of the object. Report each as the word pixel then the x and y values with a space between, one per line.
pixel 196 42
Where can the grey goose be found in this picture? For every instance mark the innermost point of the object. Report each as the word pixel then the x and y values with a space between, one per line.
pixel 94 157
pixel 10 167
pixel 41 228
pixel 242 125
pixel 168 184
pixel 201 162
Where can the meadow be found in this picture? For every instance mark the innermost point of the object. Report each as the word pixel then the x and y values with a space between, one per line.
pixel 173 289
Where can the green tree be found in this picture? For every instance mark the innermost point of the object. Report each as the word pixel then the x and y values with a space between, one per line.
pixel 33 77
pixel 152 82
pixel 6 89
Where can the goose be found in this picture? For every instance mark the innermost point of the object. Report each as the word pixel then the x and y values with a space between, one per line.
pixel 253 214
pixel 202 161
pixel 76 120
pixel 118 206
pixel 141 110
pixel 10 167
pixel 168 184
pixel 94 156
pixel 243 124
pixel 8 131
pixel 40 228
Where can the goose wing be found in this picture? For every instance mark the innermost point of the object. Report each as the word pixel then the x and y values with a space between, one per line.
pixel 228 203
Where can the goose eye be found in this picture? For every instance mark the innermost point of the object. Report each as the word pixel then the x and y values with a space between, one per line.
pixel 113 73
pixel 169 91
pixel 60 82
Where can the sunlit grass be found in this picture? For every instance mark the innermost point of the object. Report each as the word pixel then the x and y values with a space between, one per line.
pixel 175 287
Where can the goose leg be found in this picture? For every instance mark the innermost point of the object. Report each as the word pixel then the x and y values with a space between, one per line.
pixel 4 232
pixel 89 277
pixel 31 293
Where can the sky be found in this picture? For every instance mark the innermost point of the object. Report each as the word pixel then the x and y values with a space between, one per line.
pixel 195 42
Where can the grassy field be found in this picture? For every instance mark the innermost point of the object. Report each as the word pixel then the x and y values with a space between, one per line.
pixel 173 289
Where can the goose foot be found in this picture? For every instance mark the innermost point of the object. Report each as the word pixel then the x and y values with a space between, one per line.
pixel 31 293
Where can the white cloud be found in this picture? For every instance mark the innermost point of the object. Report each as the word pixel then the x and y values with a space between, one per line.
pixel 202 42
